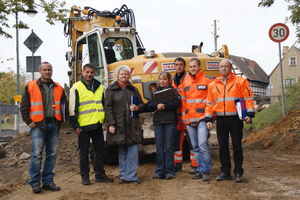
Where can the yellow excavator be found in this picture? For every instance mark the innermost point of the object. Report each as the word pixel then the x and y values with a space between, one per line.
pixel 109 39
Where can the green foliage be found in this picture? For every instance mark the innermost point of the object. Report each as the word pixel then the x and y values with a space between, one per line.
pixel 8 86
pixel 294 7
pixel 7 126
pixel 274 112
pixel 54 10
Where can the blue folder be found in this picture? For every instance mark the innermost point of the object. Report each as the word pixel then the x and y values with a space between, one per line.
pixel 134 101
pixel 241 108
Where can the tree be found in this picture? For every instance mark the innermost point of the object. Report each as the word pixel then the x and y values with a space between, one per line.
pixel 294 7
pixel 54 10
pixel 8 86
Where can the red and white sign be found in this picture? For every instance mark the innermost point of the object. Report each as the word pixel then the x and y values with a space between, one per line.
pixel 212 65
pixel 150 67
pixel 168 67
pixel 279 32
pixel 111 75
pixel 131 71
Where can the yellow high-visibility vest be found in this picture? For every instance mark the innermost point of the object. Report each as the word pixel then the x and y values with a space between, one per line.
pixel 90 109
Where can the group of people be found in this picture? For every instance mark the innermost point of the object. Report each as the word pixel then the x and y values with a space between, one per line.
pixel 196 101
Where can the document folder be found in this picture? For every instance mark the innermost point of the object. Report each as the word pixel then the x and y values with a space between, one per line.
pixel 134 101
pixel 241 108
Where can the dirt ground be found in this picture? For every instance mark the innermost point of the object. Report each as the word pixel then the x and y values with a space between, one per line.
pixel 271 163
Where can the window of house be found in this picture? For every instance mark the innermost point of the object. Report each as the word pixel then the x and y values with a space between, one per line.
pixel 293 61
pixel 290 81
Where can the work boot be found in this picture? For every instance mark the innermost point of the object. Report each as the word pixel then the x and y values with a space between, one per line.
pixel 51 187
pixel 238 178
pixel 198 175
pixel 223 177
pixel 178 167
pixel 104 179
pixel 205 176
pixel 193 170
pixel 170 176
pixel 36 189
pixel 86 180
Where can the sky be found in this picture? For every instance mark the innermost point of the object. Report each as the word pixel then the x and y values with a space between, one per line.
pixel 165 26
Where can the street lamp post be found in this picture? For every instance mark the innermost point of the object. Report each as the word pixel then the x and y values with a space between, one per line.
pixel 30 13
pixel 18 62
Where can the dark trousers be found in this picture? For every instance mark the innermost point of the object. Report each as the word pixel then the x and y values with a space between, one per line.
pixel 84 144
pixel 235 127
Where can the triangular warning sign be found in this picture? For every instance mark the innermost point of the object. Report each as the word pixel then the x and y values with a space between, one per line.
pixel 151 78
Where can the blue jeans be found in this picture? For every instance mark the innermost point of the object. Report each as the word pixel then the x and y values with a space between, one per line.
pixel 49 138
pixel 128 161
pixel 164 134
pixel 199 140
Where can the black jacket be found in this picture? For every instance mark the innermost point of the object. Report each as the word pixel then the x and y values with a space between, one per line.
pixel 167 116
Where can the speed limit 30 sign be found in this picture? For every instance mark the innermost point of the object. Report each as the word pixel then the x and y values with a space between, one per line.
pixel 279 32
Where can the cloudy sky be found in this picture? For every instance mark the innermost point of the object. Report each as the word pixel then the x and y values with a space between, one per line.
pixel 166 26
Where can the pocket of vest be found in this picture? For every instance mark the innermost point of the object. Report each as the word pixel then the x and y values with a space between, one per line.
pixel 200 110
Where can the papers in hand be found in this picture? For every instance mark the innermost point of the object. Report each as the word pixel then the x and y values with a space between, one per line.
pixel 164 96
pixel 134 101
pixel 240 108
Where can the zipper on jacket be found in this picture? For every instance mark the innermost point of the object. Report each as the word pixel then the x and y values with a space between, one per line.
pixel 218 89
pixel 230 87
pixel 224 99
pixel 127 109
pixel 248 91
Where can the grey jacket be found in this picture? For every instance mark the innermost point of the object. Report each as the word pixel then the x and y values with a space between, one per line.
pixel 117 113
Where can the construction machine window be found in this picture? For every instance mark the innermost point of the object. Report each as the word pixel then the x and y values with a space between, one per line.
pixel 95 55
pixel 89 51
pixel 80 57
pixel 117 49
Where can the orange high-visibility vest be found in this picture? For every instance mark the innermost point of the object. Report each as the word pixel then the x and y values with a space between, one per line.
pixel 220 99
pixel 179 88
pixel 193 98
pixel 36 101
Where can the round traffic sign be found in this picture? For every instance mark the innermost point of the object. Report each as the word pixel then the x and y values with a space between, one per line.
pixel 279 32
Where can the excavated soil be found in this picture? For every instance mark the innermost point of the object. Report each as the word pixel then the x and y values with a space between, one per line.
pixel 271 163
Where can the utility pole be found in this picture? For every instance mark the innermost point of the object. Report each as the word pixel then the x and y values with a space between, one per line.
pixel 215 35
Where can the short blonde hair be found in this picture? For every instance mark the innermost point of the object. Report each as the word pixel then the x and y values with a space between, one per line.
pixel 119 69
pixel 165 74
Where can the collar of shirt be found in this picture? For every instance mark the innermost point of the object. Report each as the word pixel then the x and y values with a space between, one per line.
pixel 90 87
pixel 122 86
pixel 224 80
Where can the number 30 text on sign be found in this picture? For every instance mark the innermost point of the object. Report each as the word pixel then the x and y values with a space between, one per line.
pixel 279 32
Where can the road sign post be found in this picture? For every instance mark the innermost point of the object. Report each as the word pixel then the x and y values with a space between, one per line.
pixel 33 42
pixel 278 33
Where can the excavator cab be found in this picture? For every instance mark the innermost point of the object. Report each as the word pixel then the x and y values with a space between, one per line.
pixel 89 49
pixel 102 47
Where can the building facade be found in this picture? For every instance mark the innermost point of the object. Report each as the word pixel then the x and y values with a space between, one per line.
pixel 256 76
pixel 290 72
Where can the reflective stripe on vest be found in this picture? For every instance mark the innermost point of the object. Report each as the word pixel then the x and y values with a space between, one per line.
pixel 36 101
pixel 90 109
